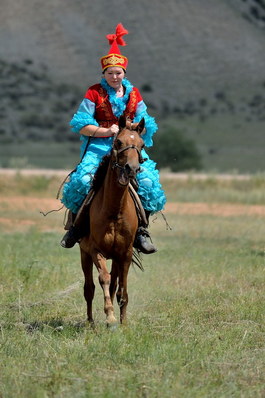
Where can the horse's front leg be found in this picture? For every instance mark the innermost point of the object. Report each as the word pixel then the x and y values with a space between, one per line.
pixel 113 281
pixel 89 287
pixel 104 280
pixel 122 293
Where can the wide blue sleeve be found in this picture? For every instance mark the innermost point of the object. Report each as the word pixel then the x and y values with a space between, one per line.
pixel 84 116
pixel 150 123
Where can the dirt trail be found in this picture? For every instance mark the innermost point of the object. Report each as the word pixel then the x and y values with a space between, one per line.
pixel 19 213
pixel 24 203
pixel 216 209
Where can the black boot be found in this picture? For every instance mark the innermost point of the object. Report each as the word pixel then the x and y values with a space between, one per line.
pixel 77 227
pixel 73 234
pixel 143 240
pixel 70 238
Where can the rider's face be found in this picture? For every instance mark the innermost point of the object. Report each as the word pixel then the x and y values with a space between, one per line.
pixel 114 76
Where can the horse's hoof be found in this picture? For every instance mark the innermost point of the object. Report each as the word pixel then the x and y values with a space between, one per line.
pixel 111 323
pixel 90 324
pixel 112 327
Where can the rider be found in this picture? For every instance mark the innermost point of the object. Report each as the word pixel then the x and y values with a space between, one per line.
pixel 96 120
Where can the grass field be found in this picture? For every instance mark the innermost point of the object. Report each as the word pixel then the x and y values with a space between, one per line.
pixel 195 316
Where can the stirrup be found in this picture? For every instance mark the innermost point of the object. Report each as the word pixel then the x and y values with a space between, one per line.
pixel 142 243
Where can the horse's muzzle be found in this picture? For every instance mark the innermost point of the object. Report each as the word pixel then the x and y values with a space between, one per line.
pixel 128 172
pixel 132 170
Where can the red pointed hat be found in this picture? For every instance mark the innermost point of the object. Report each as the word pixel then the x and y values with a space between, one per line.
pixel 114 57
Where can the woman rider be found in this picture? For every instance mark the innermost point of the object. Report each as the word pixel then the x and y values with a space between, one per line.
pixel 97 120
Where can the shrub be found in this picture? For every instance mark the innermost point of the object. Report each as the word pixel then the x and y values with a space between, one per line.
pixel 171 149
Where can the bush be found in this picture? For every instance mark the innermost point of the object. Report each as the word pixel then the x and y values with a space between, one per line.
pixel 171 149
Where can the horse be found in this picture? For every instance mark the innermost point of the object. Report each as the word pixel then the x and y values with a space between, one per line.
pixel 113 223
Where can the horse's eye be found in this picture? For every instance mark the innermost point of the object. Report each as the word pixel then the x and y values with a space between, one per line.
pixel 118 143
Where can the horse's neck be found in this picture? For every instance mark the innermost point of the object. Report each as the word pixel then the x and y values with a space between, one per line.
pixel 114 194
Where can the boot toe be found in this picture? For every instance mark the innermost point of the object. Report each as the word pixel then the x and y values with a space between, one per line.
pixel 67 244
pixel 68 241
pixel 144 245
pixel 148 248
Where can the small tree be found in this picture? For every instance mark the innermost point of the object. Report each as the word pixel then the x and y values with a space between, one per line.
pixel 171 149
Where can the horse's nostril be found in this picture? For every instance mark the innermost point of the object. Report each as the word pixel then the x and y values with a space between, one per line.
pixel 128 168
pixel 131 170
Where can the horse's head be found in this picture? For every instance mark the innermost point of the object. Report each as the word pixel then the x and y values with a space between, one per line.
pixel 126 152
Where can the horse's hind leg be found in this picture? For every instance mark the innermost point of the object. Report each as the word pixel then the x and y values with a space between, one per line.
pixel 89 287
pixel 104 280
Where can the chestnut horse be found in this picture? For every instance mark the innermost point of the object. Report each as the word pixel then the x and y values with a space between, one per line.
pixel 113 223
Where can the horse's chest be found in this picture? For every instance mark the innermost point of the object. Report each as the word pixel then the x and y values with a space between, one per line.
pixel 114 230
pixel 115 234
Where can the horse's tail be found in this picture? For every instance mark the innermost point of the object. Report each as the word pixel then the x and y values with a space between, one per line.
pixel 137 259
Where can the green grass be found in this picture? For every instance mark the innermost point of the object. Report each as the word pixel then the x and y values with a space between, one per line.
pixel 195 316
pixel 37 186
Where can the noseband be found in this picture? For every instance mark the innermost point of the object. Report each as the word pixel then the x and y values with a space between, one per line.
pixel 116 152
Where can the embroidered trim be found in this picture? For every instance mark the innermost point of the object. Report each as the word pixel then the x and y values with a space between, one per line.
pixel 132 105
pixel 104 104
pixel 113 59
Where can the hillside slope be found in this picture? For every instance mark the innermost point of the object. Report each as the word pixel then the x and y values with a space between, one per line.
pixel 181 49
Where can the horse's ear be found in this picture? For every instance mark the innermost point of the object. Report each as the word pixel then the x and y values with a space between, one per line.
pixel 140 128
pixel 122 122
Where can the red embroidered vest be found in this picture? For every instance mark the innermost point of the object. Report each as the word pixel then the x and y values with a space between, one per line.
pixel 103 112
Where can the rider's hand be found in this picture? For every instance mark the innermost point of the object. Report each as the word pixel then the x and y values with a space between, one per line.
pixel 113 130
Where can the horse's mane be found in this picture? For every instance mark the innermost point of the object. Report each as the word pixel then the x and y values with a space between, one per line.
pixel 100 173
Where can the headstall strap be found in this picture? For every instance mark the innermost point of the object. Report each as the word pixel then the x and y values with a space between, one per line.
pixel 118 151
pixel 141 159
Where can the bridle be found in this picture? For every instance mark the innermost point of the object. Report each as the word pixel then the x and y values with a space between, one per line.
pixel 116 153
